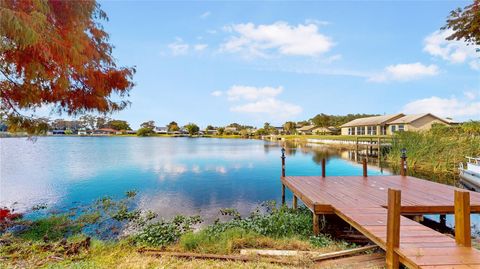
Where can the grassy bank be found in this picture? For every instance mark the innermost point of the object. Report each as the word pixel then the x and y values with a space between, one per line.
pixel 93 237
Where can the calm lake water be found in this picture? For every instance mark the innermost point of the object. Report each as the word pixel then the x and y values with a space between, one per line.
pixel 171 175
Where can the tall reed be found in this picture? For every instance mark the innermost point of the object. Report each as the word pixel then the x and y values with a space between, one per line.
pixel 439 150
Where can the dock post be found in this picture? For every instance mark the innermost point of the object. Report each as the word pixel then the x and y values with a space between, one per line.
pixel 462 218
pixel 323 167
pixel 379 149
pixel 443 220
pixel 393 228
pixel 283 175
pixel 316 224
pixel 403 163
pixel 364 164
pixel 294 202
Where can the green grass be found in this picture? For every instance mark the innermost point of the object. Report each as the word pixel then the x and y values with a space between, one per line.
pixel 53 228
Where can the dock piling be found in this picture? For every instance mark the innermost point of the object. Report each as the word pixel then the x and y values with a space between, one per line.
pixel 393 228
pixel 462 218
pixel 283 175
pixel 323 167
pixel 295 202
pixel 364 164
pixel 403 163
pixel 316 224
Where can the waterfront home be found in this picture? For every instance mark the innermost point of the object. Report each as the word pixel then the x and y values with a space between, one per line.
pixel 389 124
pixel 279 130
pixel 325 130
pixel 306 130
pixel 161 130
pixel 58 132
pixel 230 130
pixel 82 131
pixel 210 131
pixel 105 131
pixel 416 122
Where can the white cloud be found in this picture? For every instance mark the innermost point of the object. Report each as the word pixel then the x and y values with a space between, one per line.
pixel 205 15
pixel 260 101
pixel 238 92
pixel 405 72
pixel 179 47
pixel 270 106
pixel 445 107
pixel 217 93
pixel 280 37
pixel 471 95
pixel 451 50
pixel 200 47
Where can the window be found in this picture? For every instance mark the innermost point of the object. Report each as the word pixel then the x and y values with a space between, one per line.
pixel 372 130
pixel 393 128
pixel 383 130
pixel 361 130
pixel 401 128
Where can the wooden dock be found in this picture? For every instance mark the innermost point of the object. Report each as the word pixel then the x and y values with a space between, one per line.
pixel 372 205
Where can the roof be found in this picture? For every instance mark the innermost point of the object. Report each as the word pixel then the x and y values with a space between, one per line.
pixel 375 120
pixel 306 128
pixel 414 117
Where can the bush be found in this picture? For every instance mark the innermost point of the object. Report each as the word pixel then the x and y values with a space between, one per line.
pixel 276 222
pixel 145 132
pixel 163 232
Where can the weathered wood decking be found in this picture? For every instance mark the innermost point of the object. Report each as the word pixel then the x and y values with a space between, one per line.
pixel 362 202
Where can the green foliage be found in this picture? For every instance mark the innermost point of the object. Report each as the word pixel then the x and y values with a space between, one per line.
pixel 163 232
pixel 119 125
pixel 321 241
pixel 276 222
pixel 192 128
pixel 324 120
pixel 145 132
pixel 220 130
pixel 173 127
pixel 52 228
pixel 439 150
pixel 148 125
pixel 222 242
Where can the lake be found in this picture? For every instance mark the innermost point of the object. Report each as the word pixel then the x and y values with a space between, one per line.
pixel 171 175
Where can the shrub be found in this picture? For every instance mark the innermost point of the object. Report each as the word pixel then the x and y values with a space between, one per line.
pixel 163 232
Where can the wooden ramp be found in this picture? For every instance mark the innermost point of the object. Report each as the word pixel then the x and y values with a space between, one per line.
pixel 362 202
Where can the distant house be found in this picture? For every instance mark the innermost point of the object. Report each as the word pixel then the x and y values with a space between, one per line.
pixel 389 124
pixel 416 123
pixel 131 132
pixel 279 130
pixel 82 131
pixel 325 130
pixel 376 125
pixel 306 130
pixel 104 131
pixel 161 130
pixel 230 130
pixel 58 132
pixel 210 131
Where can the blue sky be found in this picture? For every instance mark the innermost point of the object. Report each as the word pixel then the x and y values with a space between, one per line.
pixel 255 62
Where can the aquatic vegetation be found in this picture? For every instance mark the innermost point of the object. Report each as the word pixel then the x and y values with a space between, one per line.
pixel 439 150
